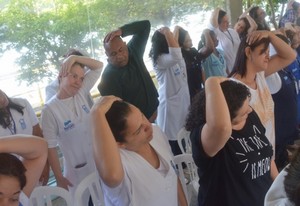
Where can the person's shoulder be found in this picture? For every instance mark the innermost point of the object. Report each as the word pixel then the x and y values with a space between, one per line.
pixel 20 101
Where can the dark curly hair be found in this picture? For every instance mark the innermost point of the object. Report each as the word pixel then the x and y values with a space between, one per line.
pixel 11 166
pixel 159 46
pixel 240 66
pixel 235 94
pixel 292 179
pixel 116 118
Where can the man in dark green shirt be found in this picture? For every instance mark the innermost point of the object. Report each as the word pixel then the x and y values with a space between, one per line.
pixel 126 75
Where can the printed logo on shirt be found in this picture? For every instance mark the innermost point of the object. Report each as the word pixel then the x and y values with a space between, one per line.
pixel 22 123
pixel 85 109
pixel 252 147
pixel 68 125
pixel 177 71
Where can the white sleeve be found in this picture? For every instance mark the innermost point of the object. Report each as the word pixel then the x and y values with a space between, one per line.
pixel 274 82
pixel 165 61
pixel 49 127
pixel 33 118
pixel 51 89
pixel 90 78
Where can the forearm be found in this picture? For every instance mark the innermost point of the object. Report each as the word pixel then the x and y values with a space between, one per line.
pixel 182 199
pixel 106 151
pixel 214 18
pixel 274 170
pixel 54 163
pixel 217 113
pixel 92 64
pixel 135 28
pixel 283 50
pixel 172 42
pixel 15 144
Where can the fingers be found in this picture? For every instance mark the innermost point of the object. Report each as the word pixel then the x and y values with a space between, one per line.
pixel 104 104
pixel 256 36
pixel 112 35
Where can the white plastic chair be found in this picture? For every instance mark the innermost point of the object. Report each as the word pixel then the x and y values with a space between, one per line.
pixel 43 196
pixel 90 185
pixel 188 176
pixel 184 142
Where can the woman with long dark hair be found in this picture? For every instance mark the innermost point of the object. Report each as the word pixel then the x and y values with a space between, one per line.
pixel 253 64
pixel 174 97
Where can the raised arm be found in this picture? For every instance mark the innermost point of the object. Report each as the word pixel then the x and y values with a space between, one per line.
pixel 140 31
pixel 92 64
pixel 285 54
pixel 106 151
pixel 214 18
pixel 253 25
pixel 33 150
pixel 174 56
pixel 208 48
pixel 217 130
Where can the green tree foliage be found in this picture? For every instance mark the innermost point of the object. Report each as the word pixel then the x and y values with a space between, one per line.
pixel 43 30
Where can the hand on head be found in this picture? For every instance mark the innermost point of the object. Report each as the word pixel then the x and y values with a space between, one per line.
pixel 104 104
pixel 112 35
pixel 164 30
pixel 256 36
pixel 67 65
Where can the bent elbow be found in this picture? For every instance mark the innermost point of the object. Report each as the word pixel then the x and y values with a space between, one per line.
pixel 113 179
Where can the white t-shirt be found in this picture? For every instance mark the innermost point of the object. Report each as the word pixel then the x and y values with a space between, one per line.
pixel 143 184
pixel 23 123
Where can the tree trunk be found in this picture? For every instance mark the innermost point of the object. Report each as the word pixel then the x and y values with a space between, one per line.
pixel 273 20
pixel 234 9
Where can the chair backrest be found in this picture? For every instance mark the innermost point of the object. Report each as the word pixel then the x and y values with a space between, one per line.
pixel 89 185
pixel 44 195
pixel 184 142
pixel 188 176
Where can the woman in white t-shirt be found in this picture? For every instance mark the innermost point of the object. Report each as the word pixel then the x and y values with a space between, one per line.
pixel 133 157
pixel 18 178
pixel 18 117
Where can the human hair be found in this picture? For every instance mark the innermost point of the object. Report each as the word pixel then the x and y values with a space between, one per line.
pixel 202 41
pixel 247 26
pixel 253 12
pixel 76 52
pixel 240 65
pixel 11 166
pixel 260 25
pixel 116 117
pixel 181 37
pixel 235 95
pixel 295 6
pixel 283 38
pixel 292 179
pixel 159 46
pixel 5 117
pixel 222 13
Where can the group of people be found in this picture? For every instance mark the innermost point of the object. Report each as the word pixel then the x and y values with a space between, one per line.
pixel 221 92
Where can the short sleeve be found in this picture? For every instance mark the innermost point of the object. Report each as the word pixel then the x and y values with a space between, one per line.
pixel 49 127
